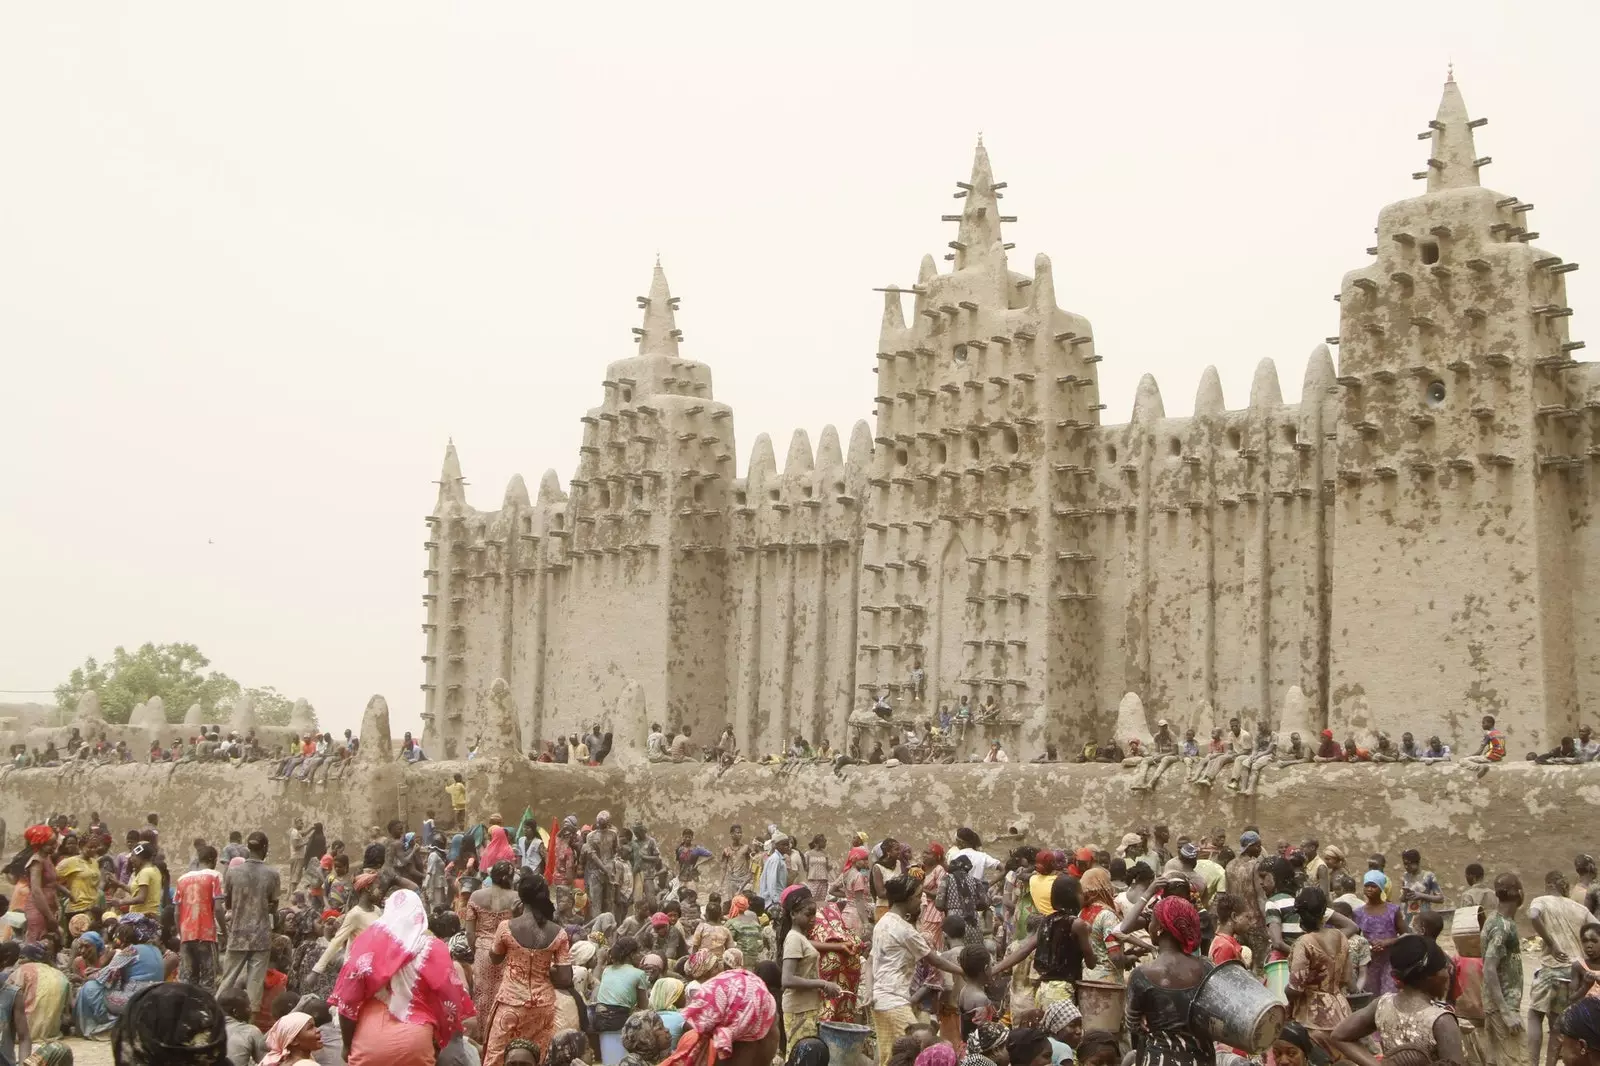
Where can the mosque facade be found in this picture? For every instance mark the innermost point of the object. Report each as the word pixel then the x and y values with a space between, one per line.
pixel 1407 545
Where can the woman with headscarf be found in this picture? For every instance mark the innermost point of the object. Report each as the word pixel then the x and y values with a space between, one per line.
pixel 43 909
pixel 490 905
pixel 644 1039
pixel 1161 991
pixel 292 1038
pixel 567 1046
pixel 1381 924
pixel 1045 869
pixel 398 997
pixel 711 935
pixel 803 988
pixel 730 1023
pixel 1319 967
pixel 962 893
pixel 362 913
pixel 585 956
pixel 531 951
pixel 497 848
pixel 1415 1025
pixel 667 997
pixel 108 991
pixel 840 962
pixel 1580 1033
pixel 1099 910
pixel 745 928
pixel 855 885
pixel 172 1024
pixel 988 1041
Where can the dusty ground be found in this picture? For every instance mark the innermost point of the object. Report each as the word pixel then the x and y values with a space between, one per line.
pixel 89 1052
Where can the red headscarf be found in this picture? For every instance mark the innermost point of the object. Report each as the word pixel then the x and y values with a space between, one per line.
pixel 936 849
pixel 1179 918
pixel 856 857
pixel 38 835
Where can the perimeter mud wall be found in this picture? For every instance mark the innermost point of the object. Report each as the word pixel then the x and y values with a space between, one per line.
pixel 1518 817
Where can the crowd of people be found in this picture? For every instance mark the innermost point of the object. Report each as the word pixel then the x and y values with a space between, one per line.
pixel 578 943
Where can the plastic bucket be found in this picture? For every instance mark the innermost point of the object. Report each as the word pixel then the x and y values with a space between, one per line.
pixel 1278 980
pixel 846 1041
pixel 1233 1008
pixel 1101 1004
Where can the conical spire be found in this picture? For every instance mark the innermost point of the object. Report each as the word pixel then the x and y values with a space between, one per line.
pixel 660 334
pixel 452 486
pixel 1452 163
pixel 978 240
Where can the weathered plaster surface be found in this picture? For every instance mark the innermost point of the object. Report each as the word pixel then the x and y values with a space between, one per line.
pixel 1517 817
pixel 1407 541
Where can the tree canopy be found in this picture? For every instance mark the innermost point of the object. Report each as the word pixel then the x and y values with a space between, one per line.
pixel 178 673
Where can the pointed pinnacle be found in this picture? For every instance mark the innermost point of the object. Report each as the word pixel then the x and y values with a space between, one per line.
pixel 659 335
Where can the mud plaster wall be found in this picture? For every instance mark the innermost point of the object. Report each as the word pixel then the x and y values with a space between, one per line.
pixel 1409 558
pixel 1517 817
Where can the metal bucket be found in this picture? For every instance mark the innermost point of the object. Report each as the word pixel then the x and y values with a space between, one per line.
pixel 1233 1008
pixel 1101 1003
pixel 1278 980
pixel 846 1042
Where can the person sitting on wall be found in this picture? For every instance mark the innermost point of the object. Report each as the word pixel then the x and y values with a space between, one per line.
pixel 1294 753
pixel 877 752
pixel 1353 753
pixel 1408 750
pixel 989 711
pixel 1588 747
pixel 996 753
pixel 964 711
pixel 1385 751
pixel 1048 756
pixel 1563 754
pixel 1110 752
pixel 1328 750
pixel 1493 747
pixel 1436 751
pixel 1164 752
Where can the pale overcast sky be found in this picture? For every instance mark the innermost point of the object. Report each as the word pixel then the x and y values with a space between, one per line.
pixel 258 262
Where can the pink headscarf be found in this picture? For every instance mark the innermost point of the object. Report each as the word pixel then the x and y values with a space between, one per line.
pixel 396 954
pixel 498 849
pixel 733 1006
pixel 940 1054
pixel 281 1035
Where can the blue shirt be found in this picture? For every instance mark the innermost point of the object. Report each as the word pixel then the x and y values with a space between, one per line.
pixel 774 878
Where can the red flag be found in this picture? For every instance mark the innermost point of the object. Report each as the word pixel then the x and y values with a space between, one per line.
pixel 550 853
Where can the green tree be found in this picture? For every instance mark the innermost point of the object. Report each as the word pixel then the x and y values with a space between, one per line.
pixel 177 673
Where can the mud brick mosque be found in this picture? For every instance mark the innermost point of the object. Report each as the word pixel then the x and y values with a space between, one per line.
pixel 1407 545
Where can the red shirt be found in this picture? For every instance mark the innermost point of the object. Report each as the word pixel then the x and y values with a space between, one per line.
pixel 1224 948
pixel 197 893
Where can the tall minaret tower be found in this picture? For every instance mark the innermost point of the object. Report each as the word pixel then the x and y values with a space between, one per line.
pixel 1455 461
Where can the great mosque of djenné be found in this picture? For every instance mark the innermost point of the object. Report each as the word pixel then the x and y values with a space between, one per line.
pixel 1409 542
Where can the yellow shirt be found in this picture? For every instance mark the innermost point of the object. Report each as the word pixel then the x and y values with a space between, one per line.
pixel 150 879
pixel 1039 887
pixel 458 795
pixel 81 878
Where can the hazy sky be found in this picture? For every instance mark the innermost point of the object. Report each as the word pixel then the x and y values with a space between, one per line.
pixel 258 262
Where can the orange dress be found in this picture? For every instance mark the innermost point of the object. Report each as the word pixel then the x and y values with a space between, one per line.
pixel 485 974
pixel 524 1004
